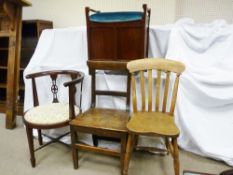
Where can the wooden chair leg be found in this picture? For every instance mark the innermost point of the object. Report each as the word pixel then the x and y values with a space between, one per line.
pixel 123 151
pixel 40 139
pixel 129 148
pixel 166 140
pixel 95 140
pixel 31 145
pixel 136 138
pixel 176 156
pixel 74 139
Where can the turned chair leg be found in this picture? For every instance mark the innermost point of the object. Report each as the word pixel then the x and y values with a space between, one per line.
pixel 31 145
pixel 95 140
pixel 136 138
pixel 74 139
pixel 129 148
pixel 176 156
pixel 40 139
pixel 123 151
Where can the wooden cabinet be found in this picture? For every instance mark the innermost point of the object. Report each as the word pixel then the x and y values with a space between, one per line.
pixel 10 37
pixel 31 30
pixel 4 42
pixel 117 36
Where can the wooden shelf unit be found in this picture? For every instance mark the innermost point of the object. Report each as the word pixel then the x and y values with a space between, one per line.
pixel 4 42
pixel 31 31
pixel 10 37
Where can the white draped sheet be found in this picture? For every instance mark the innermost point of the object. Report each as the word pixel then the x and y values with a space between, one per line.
pixel 66 48
pixel 204 111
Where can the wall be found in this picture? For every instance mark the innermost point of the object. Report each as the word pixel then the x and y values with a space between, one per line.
pixel 205 10
pixel 71 12
pixel 66 13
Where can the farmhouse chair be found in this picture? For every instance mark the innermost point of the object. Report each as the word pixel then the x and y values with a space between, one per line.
pixel 155 115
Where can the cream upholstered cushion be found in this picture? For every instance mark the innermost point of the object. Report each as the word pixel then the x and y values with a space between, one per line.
pixel 52 113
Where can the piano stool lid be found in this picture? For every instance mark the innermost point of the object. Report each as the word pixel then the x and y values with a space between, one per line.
pixel 108 17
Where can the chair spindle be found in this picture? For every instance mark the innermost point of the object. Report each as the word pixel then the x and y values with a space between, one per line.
pixel 174 94
pixel 134 97
pixel 157 86
pixel 167 81
pixel 149 90
pixel 142 83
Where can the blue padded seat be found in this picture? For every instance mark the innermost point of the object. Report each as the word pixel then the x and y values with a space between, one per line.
pixel 107 17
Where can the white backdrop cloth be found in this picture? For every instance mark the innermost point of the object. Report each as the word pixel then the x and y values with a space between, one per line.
pixel 66 48
pixel 204 111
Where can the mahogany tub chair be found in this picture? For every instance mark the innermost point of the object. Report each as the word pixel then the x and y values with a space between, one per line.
pixel 54 114
pixel 102 123
pixel 154 117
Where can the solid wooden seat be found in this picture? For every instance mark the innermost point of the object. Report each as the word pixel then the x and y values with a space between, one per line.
pixel 153 123
pixel 154 116
pixel 103 123
pixel 54 114
pixel 106 119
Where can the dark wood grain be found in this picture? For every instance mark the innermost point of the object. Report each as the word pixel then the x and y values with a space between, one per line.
pixel 116 41
pixel 102 123
pixel 76 78
pixel 10 30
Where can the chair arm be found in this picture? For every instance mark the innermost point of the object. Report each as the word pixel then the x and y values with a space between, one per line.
pixel 75 81
pixel 72 90
pixel 50 72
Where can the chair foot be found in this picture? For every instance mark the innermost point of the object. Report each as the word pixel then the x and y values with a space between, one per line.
pixel 33 162
pixel 176 161
pixel 75 166
pixel 75 158
pixel 129 148
pixel 31 145
pixel 125 173
pixel 95 140
pixel 123 151
pixel 74 140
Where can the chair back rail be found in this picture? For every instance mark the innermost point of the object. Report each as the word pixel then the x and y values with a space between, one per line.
pixel 76 77
pixel 116 68
pixel 156 67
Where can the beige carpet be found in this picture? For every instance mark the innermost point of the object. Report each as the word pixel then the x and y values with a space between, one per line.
pixel 56 159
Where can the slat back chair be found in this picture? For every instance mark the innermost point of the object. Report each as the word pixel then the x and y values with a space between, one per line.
pixel 54 114
pixel 102 122
pixel 154 117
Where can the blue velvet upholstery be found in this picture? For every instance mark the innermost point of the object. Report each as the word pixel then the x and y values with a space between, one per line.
pixel 116 16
